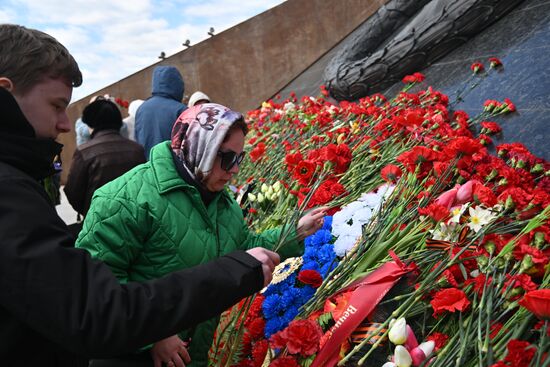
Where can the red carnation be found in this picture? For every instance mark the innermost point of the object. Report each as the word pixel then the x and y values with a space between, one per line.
pixel 300 337
pixel 485 140
pixel 495 329
pixel 439 339
pixel 258 152
pixel 449 299
pixel 519 196
pixel 311 277
pixel 491 104
pixel 484 195
pixel 304 172
pixel 477 67
pixel 538 302
pixel 519 353
pixel 490 127
pixel 495 62
pixel 418 156
pixel 286 361
pixel 255 310
pixel 522 281
pixel 463 146
pixel 391 173
pixel 258 352
pixel 479 283
pixel 436 211
pixel 414 78
pixel 510 106
pixel 340 155
pixel 256 328
pixel 292 160
pixel 414 117
pixel 327 191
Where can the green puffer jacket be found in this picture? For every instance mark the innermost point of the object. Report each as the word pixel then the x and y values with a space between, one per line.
pixel 150 222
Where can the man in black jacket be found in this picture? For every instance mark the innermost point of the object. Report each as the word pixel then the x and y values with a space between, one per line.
pixel 106 156
pixel 54 299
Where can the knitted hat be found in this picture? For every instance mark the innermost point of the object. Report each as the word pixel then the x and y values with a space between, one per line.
pixel 198 96
pixel 102 114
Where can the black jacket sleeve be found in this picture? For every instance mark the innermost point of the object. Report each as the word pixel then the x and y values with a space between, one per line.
pixel 75 301
pixel 76 187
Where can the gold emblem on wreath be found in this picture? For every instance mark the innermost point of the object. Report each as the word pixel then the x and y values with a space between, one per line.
pixel 286 268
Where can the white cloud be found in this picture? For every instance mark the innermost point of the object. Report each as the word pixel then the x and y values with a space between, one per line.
pixel 7 16
pixel 111 39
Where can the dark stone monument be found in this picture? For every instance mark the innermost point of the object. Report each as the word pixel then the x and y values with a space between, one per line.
pixel 403 37
pixel 520 39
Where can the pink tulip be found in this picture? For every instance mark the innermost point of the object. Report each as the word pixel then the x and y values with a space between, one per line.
pixel 465 193
pixel 411 342
pixel 447 199
pixel 417 356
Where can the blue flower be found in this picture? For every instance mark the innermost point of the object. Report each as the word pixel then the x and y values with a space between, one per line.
pixel 305 294
pixel 272 326
pixel 289 315
pixel 327 268
pixel 319 238
pixel 311 265
pixel 288 298
pixel 272 306
pixel 327 224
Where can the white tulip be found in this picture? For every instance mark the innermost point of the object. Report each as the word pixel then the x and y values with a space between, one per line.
pixel 277 186
pixel 401 357
pixel 251 197
pixel 263 188
pixel 398 331
pixel 261 198
pixel 289 106
pixel 389 364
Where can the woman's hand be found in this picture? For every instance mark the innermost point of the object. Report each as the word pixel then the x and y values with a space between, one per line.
pixel 171 351
pixel 311 222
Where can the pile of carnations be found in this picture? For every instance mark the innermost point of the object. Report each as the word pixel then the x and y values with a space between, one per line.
pixel 430 237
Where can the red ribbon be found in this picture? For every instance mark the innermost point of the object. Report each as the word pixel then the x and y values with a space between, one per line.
pixel 366 294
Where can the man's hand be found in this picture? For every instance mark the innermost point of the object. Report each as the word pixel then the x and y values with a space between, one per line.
pixel 311 222
pixel 269 260
pixel 171 352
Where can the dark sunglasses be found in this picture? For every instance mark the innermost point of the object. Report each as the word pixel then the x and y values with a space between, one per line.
pixel 230 159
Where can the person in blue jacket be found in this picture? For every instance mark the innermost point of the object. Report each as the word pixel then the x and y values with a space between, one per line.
pixel 156 116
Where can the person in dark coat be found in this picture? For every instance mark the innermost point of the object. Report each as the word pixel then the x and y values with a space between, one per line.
pixel 102 159
pixel 56 302
pixel 156 116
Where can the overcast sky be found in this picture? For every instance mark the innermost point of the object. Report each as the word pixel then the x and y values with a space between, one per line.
pixel 112 39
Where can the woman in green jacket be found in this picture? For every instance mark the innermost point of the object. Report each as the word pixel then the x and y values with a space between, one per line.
pixel 174 212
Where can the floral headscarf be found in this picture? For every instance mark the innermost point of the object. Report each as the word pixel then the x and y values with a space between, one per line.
pixel 198 134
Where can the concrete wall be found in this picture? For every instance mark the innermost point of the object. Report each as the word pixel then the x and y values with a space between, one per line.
pixel 250 62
